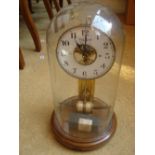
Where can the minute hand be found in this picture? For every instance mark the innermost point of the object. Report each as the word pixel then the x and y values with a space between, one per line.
pixel 80 47
pixel 85 42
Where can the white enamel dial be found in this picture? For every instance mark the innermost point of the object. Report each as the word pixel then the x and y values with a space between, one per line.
pixel 85 52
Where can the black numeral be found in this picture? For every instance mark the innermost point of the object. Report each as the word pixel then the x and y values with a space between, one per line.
pixel 65 42
pixel 102 66
pixel 107 54
pixel 95 72
pixel 105 45
pixel 107 57
pixel 84 73
pixel 99 55
pixel 74 70
pixel 73 35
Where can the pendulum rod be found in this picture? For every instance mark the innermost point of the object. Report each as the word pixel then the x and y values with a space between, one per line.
pixel 86 90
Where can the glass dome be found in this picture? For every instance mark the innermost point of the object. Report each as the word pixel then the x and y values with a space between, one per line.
pixel 85 43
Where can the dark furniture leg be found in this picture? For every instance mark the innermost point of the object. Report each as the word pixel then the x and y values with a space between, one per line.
pixel 21 60
pixel 56 5
pixel 48 8
pixel 69 1
pixel 61 3
pixel 30 6
pixel 30 24
pixel 130 12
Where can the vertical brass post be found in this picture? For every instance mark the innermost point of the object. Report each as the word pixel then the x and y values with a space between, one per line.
pixel 86 89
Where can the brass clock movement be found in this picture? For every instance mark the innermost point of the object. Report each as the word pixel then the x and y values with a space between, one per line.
pixel 85 43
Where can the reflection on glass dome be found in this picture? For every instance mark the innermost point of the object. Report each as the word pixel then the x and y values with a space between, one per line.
pixel 84 43
pixel 102 24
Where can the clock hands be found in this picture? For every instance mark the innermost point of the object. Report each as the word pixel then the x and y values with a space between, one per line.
pixel 82 49
pixel 85 45
pixel 78 45
pixel 85 52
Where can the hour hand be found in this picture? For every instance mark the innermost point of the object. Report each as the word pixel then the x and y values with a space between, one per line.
pixel 78 45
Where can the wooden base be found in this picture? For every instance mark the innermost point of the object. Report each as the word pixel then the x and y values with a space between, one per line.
pixel 81 144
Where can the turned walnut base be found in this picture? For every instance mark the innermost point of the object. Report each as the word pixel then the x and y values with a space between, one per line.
pixel 78 144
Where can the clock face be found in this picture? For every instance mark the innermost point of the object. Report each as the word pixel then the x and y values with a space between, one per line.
pixel 85 52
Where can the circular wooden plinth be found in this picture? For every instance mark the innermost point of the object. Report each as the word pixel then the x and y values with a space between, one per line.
pixel 78 144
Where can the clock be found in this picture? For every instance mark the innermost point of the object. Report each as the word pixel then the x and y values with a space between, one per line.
pixel 85 52
pixel 85 45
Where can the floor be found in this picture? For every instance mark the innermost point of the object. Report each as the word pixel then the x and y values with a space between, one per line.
pixel 36 105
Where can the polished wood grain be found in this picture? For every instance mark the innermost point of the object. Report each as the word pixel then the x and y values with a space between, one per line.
pixel 30 23
pixel 48 8
pixel 56 4
pixel 30 6
pixel 130 12
pixel 21 60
